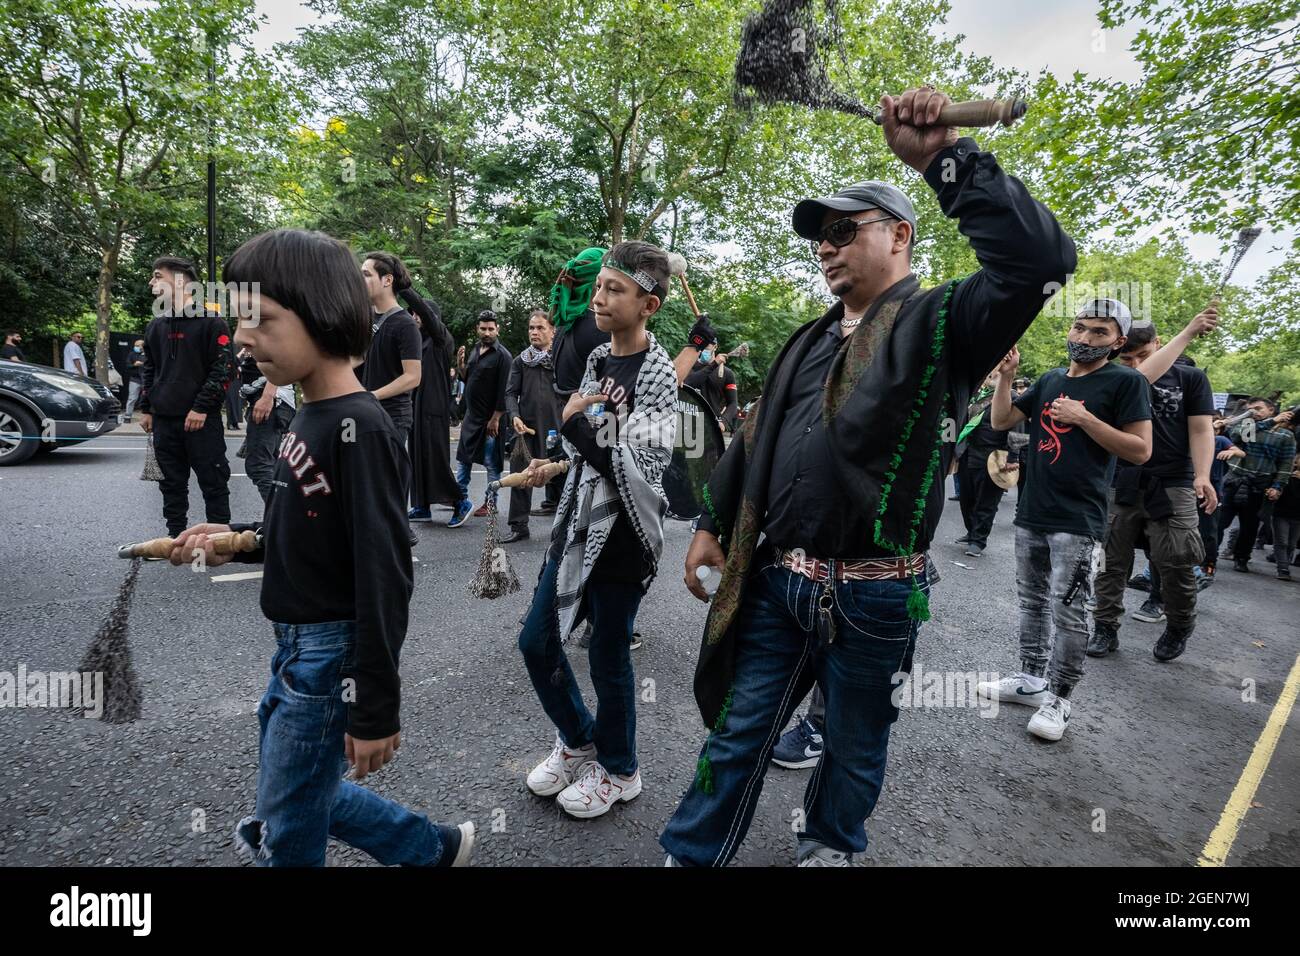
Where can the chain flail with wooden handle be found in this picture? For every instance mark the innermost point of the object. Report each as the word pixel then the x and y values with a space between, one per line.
pixel 975 113
pixel 223 542
pixel 516 478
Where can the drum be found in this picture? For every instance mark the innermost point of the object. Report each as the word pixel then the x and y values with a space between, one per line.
pixel 696 450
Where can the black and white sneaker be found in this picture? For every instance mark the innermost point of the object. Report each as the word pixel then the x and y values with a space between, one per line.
pixel 1151 612
pixel 1016 689
pixel 800 747
pixel 1050 720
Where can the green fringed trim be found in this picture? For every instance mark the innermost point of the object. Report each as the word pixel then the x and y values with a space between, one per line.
pixel 703 766
pixel 918 605
pixel 704 775
pixel 713 512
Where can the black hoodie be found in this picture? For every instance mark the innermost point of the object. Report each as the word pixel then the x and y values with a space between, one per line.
pixel 187 365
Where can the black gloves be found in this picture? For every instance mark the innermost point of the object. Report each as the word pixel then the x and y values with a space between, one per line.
pixel 702 335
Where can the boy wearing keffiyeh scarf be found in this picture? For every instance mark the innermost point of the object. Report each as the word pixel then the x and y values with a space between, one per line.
pixel 605 544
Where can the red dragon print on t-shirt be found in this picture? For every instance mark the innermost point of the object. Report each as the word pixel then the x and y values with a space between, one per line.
pixel 1052 442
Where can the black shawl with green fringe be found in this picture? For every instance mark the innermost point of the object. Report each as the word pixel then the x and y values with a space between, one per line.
pixel 912 362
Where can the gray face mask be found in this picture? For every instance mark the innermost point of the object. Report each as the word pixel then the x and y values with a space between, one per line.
pixel 1087 354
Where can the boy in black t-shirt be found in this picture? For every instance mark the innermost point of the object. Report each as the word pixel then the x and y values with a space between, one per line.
pixel 606 540
pixel 1159 498
pixel 1078 420
pixel 338 580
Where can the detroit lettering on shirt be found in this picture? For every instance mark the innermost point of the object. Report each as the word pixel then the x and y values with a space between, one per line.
pixel 335 542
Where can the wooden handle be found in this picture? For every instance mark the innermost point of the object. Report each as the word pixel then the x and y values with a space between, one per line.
pixel 516 478
pixel 980 113
pixel 224 542
pixel 690 298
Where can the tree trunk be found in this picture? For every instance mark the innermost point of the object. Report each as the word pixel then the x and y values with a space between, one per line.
pixel 104 304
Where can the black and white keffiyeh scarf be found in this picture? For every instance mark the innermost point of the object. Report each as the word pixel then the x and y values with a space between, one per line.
pixel 533 356
pixel 590 503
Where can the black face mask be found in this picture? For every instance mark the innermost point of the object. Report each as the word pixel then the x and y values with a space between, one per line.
pixel 1087 354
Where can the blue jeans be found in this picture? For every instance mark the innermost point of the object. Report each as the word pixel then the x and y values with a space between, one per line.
pixel 302 799
pixel 612 607
pixel 781 649
pixel 489 459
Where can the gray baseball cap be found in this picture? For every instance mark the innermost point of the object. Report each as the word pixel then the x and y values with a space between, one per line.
pixel 1108 309
pixel 870 194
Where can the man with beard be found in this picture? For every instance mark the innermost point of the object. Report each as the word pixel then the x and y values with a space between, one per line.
pixel 432 482
pixel 1079 419
pixel 485 373
pixel 534 411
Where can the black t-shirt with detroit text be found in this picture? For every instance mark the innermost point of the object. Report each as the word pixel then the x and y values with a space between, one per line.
pixel 335 543
pixel 1067 474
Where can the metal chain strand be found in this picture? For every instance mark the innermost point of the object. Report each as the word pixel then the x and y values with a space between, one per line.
pixel 496 576
pixel 780 58
pixel 110 654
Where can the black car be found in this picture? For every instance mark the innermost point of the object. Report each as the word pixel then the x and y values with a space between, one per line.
pixel 43 408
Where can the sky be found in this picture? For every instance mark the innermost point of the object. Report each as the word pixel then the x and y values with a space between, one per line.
pixel 1030 35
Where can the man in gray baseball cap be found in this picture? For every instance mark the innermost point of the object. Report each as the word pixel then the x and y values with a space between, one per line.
pixel 869 194
pixel 837 471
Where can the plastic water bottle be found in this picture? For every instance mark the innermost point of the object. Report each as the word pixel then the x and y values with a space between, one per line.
pixel 709 579
pixel 552 441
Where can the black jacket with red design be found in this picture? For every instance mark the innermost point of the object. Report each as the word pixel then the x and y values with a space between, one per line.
pixel 188 364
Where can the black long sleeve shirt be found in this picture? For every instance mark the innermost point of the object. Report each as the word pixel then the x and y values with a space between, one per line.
pixel 719 391
pixel 1020 247
pixel 335 543
pixel 188 364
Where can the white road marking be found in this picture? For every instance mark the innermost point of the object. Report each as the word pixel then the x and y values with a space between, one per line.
pixel 242 576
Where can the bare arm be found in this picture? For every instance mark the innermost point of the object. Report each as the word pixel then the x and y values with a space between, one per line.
pixel 1156 365
pixel 1132 442
pixel 407 381
pixel 1200 440
pixel 685 361
pixel 1002 414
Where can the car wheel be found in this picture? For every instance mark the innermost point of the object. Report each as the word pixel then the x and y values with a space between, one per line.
pixel 18 435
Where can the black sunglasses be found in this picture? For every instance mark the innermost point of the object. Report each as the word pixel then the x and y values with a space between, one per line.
pixel 841 232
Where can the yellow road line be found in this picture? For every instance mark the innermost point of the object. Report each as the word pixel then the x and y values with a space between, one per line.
pixel 1220 843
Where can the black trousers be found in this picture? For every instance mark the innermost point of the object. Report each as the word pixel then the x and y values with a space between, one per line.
pixel 204 452
pixel 521 499
pixel 262 446
pixel 1245 505
pixel 980 497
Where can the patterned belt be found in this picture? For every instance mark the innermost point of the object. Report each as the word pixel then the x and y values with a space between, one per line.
pixel 865 569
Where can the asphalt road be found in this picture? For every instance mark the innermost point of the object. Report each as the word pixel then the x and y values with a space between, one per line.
pixel 1142 777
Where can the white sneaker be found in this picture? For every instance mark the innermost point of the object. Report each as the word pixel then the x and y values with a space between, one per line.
pixel 596 790
pixel 1050 720
pixel 558 770
pixel 825 856
pixel 1016 689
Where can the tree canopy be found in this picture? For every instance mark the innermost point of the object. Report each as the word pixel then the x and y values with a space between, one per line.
pixel 486 143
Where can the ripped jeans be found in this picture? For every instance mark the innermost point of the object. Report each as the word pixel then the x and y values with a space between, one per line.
pixel 1052 566
pixel 302 798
